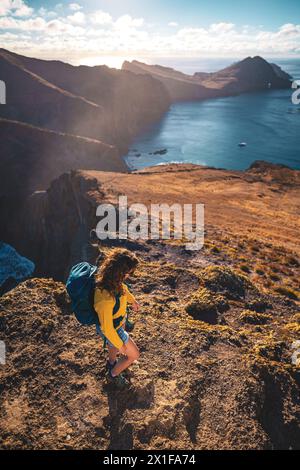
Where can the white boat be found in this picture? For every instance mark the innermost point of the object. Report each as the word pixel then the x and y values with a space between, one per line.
pixel 242 144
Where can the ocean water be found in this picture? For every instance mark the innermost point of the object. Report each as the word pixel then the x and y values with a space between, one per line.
pixel 209 132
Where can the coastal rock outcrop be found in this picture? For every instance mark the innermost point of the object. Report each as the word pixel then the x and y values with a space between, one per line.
pixel 250 74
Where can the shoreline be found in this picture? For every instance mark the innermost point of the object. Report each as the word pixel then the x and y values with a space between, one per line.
pixel 131 148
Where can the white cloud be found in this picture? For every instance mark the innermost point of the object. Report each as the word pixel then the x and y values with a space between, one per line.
pixel 75 7
pixel 15 7
pixel 32 24
pixel 100 17
pixel 77 18
pixel 5 7
pixel 126 22
pixel 60 26
pixel 289 29
pixel 80 35
pixel 20 8
pixel 46 13
pixel 221 28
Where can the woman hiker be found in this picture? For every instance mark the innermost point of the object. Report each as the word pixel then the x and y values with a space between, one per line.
pixel 110 302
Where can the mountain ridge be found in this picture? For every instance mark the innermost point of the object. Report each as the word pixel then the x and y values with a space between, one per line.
pixel 249 74
pixel 101 103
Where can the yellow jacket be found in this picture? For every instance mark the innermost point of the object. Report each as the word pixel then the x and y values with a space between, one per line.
pixel 104 304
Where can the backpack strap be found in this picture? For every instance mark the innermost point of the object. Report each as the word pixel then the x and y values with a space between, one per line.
pixel 115 309
pixel 118 320
pixel 117 304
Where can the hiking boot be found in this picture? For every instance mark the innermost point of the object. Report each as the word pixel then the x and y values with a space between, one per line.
pixel 109 366
pixel 120 382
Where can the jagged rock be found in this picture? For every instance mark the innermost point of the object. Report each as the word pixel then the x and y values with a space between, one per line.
pixel 57 211
pixel 57 224
pixel 281 73
pixel 160 152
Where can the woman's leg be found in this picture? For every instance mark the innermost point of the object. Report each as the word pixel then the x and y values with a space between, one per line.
pixel 112 353
pixel 131 354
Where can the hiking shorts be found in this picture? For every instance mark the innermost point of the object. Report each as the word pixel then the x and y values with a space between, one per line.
pixel 123 335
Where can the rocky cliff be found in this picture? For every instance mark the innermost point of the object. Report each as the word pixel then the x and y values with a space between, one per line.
pixel 98 102
pixel 34 100
pixel 250 74
pixel 56 223
pixel 32 157
pixel 60 118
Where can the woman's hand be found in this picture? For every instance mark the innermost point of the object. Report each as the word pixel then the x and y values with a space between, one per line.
pixel 135 307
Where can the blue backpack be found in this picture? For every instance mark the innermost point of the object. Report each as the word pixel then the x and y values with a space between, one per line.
pixel 81 288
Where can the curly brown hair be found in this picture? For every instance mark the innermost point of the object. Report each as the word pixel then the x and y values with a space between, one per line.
pixel 113 270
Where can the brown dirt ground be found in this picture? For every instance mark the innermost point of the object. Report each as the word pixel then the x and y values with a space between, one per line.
pixel 215 331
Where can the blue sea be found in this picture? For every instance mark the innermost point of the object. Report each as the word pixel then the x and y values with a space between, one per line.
pixel 209 132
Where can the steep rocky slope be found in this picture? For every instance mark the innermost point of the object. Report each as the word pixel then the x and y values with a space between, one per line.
pixel 57 223
pixel 34 100
pixel 180 86
pixel 251 74
pixel 224 383
pixel 218 328
pixel 98 102
pixel 248 75
pixel 31 157
pixel 60 118
pixel 253 205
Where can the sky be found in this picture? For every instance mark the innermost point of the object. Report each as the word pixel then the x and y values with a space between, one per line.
pixel 108 31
